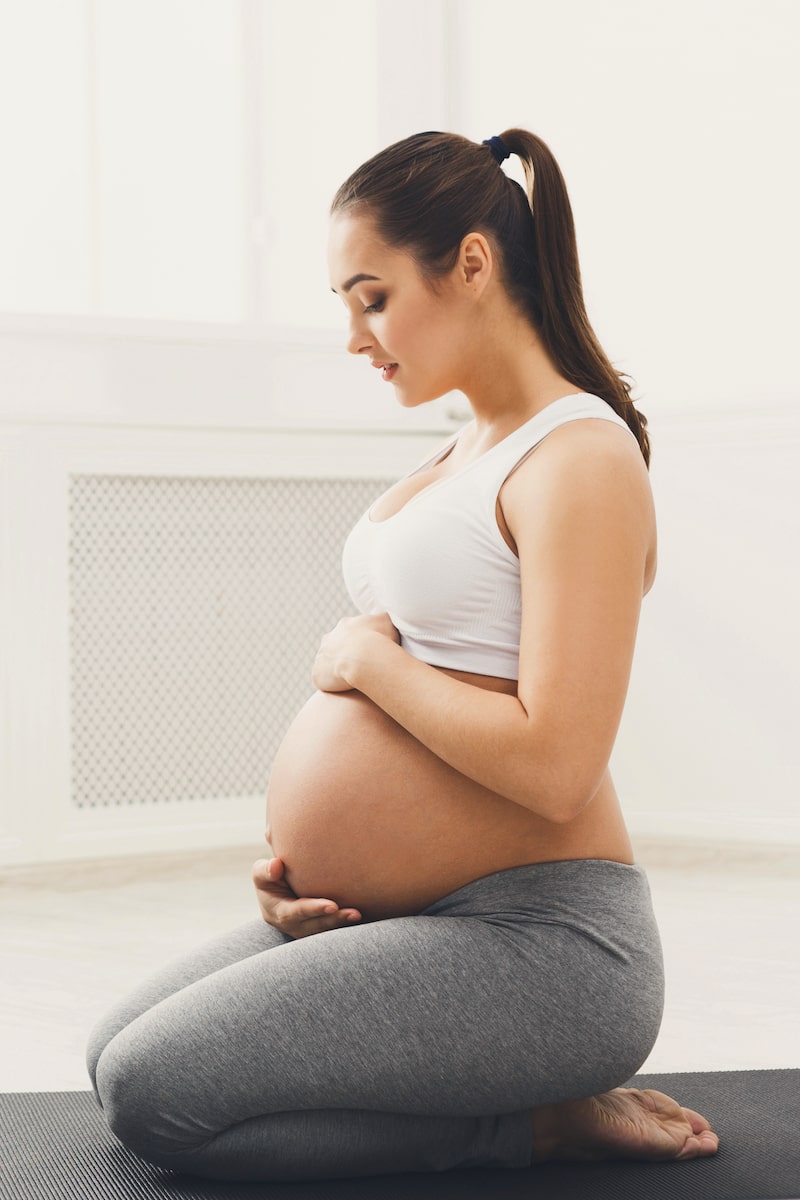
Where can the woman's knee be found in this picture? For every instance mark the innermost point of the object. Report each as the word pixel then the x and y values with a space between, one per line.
pixel 103 1033
pixel 94 1048
pixel 140 1102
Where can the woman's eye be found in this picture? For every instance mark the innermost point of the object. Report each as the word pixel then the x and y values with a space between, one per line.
pixel 376 307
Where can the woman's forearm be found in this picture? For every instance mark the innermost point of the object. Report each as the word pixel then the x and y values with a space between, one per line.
pixel 488 736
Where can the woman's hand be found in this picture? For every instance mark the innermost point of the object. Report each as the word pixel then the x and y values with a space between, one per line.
pixel 343 644
pixel 297 918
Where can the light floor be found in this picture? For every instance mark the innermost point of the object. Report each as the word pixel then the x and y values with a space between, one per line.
pixel 73 937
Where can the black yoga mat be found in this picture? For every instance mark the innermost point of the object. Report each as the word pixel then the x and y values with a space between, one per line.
pixel 55 1146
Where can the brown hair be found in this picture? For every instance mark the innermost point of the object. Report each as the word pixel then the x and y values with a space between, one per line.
pixel 427 192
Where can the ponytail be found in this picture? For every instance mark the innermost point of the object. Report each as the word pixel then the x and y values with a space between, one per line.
pixel 563 323
pixel 427 192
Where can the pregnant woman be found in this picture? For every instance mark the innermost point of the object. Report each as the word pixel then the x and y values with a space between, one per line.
pixel 457 963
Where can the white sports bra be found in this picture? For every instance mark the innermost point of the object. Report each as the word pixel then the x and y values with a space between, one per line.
pixel 441 568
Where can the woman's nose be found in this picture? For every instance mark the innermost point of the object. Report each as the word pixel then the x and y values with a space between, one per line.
pixel 358 341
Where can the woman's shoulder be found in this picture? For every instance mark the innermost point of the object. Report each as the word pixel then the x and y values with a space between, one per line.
pixel 591 446
pixel 586 472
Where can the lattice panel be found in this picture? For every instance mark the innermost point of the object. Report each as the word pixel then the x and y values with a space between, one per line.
pixel 197 606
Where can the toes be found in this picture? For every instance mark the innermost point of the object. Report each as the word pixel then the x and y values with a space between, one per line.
pixel 700 1145
pixel 663 1105
pixel 709 1142
pixel 700 1142
pixel 698 1123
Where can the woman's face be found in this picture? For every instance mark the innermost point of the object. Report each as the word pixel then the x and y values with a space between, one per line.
pixel 409 332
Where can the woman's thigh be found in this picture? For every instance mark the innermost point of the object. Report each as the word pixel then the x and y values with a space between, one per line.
pixel 255 937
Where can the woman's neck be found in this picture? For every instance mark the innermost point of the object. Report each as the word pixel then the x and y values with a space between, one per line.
pixel 509 376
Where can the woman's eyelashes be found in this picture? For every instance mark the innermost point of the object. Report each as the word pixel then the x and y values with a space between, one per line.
pixel 376 306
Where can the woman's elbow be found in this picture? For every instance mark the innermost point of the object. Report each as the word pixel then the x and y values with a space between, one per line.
pixel 559 796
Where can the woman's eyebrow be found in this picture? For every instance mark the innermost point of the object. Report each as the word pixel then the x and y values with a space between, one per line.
pixel 353 280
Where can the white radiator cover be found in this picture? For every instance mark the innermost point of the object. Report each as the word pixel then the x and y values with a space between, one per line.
pixel 196 607
pixel 163 596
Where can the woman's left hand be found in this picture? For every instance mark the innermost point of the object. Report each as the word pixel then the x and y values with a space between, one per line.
pixel 344 643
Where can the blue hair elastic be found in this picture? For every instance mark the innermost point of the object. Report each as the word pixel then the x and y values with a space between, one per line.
pixel 498 148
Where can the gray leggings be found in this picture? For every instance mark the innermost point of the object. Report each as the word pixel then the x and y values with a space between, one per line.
pixel 411 1044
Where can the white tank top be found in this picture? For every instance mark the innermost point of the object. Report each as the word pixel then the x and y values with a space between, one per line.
pixel 441 568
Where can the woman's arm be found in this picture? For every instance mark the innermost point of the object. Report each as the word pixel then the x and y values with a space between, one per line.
pixel 580 512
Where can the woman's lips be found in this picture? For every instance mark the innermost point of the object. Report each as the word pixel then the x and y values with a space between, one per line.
pixel 387 370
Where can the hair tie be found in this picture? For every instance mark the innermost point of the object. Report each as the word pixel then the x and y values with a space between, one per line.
pixel 498 148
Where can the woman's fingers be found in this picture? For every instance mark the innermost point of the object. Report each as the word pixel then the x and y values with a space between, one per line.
pixel 315 922
pixel 338 645
pixel 302 918
pixel 295 916
pixel 275 869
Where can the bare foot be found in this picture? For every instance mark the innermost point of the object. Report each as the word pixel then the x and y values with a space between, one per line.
pixel 625 1123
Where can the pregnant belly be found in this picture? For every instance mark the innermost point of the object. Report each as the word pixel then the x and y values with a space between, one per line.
pixel 363 814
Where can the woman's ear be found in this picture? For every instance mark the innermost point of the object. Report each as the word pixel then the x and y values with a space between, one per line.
pixel 475 262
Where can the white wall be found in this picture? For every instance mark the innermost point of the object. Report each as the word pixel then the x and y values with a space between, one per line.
pixel 709 741
pixel 676 125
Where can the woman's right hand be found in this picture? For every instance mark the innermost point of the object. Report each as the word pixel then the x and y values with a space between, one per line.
pixel 293 916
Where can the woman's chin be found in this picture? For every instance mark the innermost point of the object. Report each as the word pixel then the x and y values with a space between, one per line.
pixel 408 399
